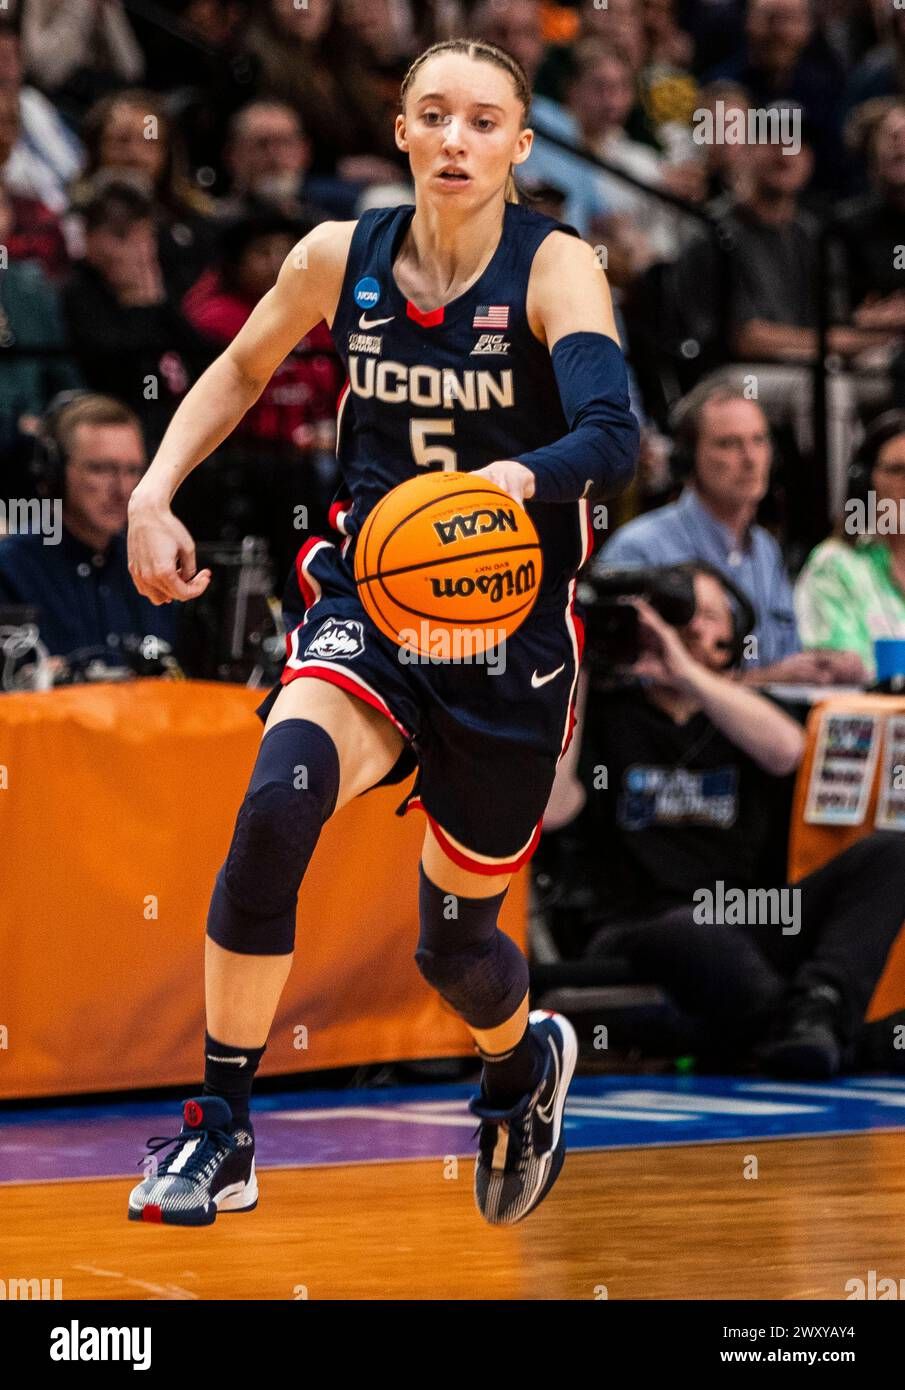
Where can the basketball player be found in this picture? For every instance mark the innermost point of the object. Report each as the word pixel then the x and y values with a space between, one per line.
pixel 478 336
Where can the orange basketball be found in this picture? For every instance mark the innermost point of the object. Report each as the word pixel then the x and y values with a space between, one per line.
pixel 448 565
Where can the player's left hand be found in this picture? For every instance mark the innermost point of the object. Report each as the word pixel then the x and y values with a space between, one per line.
pixel 511 476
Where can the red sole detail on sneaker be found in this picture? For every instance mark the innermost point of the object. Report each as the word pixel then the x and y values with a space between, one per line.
pixel 152 1213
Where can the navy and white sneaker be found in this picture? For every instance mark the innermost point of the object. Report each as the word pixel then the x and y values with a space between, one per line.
pixel 521 1150
pixel 211 1169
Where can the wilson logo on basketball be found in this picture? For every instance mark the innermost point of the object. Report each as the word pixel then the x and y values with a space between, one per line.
pixel 449 553
pixel 494 587
pixel 476 523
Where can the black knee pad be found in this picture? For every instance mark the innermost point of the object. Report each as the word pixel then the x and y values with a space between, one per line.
pixel 292 792
pixel 474 966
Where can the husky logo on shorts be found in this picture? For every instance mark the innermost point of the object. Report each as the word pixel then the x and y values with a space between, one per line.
pixel 337 637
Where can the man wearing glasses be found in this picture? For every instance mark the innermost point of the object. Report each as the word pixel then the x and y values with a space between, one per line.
pixel 90 454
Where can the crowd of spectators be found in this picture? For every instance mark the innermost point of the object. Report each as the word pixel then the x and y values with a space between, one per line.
pixel 158 162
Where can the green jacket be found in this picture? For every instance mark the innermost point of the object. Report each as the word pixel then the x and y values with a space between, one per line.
pixel 847 596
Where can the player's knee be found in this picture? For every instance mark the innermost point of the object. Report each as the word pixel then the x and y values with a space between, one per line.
pixel 276 831
pixel 467 959
pixel 293 790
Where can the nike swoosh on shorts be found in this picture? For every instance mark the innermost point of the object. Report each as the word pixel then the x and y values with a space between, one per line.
pixel 537 680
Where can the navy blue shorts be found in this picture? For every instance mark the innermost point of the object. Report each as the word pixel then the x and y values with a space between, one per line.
pixel 485 743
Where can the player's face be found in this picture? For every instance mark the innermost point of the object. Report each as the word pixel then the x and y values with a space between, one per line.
pixel 732 460
pixel 104 465
pixel 709 634
pixel 462 129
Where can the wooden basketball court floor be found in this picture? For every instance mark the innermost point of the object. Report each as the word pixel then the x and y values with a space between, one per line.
pixel 808 1199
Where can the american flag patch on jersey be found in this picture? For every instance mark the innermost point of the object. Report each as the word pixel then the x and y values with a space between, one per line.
pixel 491 316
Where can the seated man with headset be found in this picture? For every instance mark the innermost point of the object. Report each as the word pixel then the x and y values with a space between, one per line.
pixel 723 445
pixel 673 783
pixel 89 456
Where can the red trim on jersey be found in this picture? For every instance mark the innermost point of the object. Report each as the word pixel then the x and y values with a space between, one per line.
pixel 579 629
pixel 463 858
pixel 338 510
pixel 425 320
pixel 304 583
pixel 323 673
pixel 572 722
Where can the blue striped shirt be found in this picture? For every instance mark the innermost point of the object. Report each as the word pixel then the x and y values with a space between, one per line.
pixel 688 530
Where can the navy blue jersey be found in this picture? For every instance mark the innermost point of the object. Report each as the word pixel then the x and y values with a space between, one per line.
pixel 456 388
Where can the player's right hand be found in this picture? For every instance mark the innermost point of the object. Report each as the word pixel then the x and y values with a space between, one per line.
pixel 162 557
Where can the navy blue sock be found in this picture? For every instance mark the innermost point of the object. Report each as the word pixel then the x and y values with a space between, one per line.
pixel 229 1072
pixel 510 1075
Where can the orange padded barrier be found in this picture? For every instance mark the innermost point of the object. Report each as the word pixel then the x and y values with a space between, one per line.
pixel 117 805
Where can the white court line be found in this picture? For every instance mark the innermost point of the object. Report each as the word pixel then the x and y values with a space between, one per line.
pixel 169 1291
pixel 640 1116
pixel 383 1112
pixel 639 1106
pixel 420 1116
pixel 789 1088
pixel 874 1081
pixel 707 1105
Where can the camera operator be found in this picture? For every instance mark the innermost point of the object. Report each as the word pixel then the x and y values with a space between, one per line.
pixel 724 454
pixel 679 764
pixel 90 455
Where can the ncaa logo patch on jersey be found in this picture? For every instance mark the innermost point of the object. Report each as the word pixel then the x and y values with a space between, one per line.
pixel 337 637
pixel 366 292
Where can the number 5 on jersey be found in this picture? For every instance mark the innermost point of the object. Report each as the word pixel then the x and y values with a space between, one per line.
pixel 424 453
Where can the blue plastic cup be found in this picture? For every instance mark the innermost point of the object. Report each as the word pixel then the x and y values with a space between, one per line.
pixel 889 653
